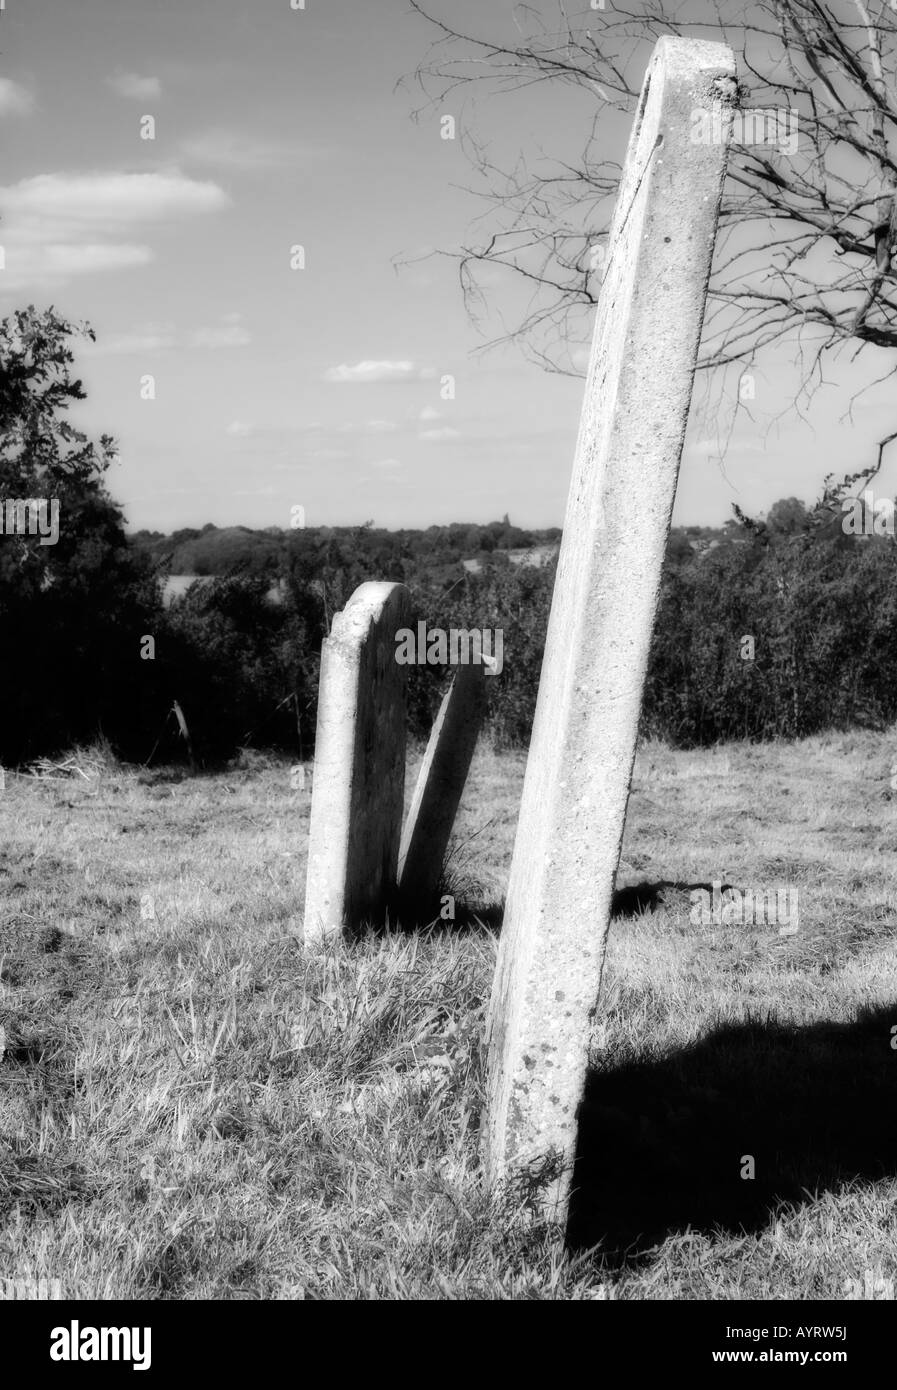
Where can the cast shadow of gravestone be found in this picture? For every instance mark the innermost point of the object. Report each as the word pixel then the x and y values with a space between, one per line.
pixel 473 913
pixel 661 1144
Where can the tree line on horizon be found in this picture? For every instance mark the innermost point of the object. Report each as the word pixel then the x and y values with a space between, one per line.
pixel 766 629
pixel 219 550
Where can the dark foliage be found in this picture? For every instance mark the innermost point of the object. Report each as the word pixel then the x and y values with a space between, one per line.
pixel 73 612
pixel 776 631
pixel 766 629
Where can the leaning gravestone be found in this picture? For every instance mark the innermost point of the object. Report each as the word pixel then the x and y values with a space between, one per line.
pixel 438 792
pixel 359 767
pixel 618 514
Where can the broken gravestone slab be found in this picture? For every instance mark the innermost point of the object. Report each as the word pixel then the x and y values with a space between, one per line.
pixel 437 794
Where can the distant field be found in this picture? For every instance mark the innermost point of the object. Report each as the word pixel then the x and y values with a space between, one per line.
pixel 176 585
pixel 190 1106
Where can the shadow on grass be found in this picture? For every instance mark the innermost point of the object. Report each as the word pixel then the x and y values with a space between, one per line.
pixel 416 914
pixel 627 902
pixel 648 897
pixel 662 1144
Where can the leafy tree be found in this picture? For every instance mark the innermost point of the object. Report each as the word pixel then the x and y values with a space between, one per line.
pixel 72 612
pixel 787 517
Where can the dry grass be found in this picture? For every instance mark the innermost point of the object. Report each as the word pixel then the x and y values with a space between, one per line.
pixel 191 1106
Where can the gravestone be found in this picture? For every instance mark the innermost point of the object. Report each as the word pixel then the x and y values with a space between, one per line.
pixel 438 791
pixel 359 766
pixel 581 756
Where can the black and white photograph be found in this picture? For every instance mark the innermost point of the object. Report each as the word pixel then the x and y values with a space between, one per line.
pixel 448 711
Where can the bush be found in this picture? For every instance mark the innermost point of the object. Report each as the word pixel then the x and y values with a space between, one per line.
pixel 822 613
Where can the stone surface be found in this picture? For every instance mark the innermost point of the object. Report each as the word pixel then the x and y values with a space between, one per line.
pixel 359 766
pixel 438 792
pixel 579 768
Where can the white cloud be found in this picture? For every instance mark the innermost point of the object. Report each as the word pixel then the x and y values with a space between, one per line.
pixel 440 435
pixel 158 337
pixel 74 200
pixel 148 337
pixel 276 435
pixel 234 149
pixel 226 335
pixel 428 413
pixel 364 373
pixel 128 84
pixel 386 463
pixel 60 225
pixel 15 100
pixel 52 263
pixel 369 427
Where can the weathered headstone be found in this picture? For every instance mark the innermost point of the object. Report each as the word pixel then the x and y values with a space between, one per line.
pixel 618 513
pixel 359 767
pixel 440 783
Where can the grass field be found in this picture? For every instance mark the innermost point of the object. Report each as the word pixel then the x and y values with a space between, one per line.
pixel 192 1107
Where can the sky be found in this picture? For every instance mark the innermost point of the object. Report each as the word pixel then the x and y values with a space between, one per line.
pixel 317 378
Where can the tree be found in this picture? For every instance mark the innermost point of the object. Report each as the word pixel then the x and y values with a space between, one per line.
pixel 808 230
pixel 42 455
pixel 74 606
pixel 788 517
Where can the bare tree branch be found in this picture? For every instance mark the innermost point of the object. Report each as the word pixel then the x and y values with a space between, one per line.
pixel 808 227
